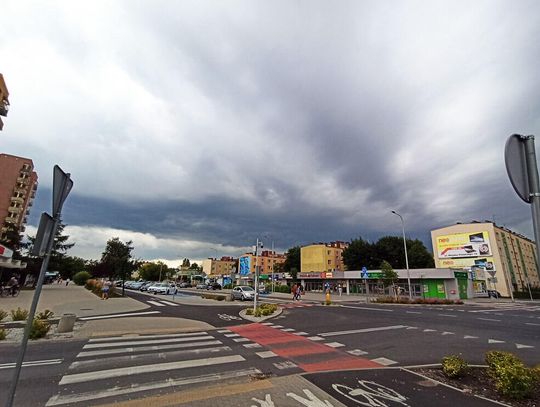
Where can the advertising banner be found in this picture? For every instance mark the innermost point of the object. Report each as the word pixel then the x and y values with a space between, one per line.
pixel 462 245
pixel 245 265
pixel 486 263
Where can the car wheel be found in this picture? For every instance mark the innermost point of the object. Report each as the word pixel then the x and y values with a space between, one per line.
pixel 243 298
pixel 167 292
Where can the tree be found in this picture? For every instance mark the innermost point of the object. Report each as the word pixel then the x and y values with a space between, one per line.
pixel 116 257
pixel 292 260
pixel 151 271
pixel 360 253
pixel 194 266
pixel 185 263
pixel 389 276
pixel 12 238
pixel 419 256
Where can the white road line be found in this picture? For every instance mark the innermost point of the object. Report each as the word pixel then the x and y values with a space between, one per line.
pixel 146 348
pixel 232 335
pixel 276 326
pixel 489 319
pixel 301 333
pixel 447 315
pixel 357 352
pixel 169 303
pixel 288 330
pixel 412 312
pixel 133 388
pixel 429 330
pixel 530 323
pixel 495 341
pixel 159 367
pixel 241 339
pixel 265 355
pixel 135 343
pixel 116 338
pixel 252 345
pixel 448 333
pixel 470 337
pixel 267 323
pixel 32 363
pixel 520 346
pixel 131 314
pixel 315 338
pixel 160 356
pixel 368 308
pixel 157 304
pixel 334 344
pixel 359 331
pixel 384 361
pixel 223 331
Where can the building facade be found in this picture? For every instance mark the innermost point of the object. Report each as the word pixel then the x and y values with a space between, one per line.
pixel 4 100
pixel 507 258
pixel 218 268
pixel 268 261
pixel 322 257
pixel 18 185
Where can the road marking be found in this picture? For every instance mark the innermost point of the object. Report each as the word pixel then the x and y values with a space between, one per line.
pixel 300 333
pixel 448 333
pixel 276 326
pixel 160 356
pixel 252 345
pixel 359 331
pixel 357 352
pixel 130 343
pixel 334 344
pixel 133 388
pixel 132 314
pixel 267 323
pixel 315 338
pixel 265 355
pixel 285 365
pixel 384 361
pixel 429 330
pixel 368 308
pixel 489 319
pixel 32 363
pixel 470 337
pixel 412 327
pixel 157 304
pixel 241 339
pixel 288 330
pixel 146 348
pixel 116 338
pixel 232 335
pixel 530 323
pixel 495 341
pixel 159 367
pixel 169 303
pixel 447 315
pixel 412 312
pixel 520 346
pixel 223 331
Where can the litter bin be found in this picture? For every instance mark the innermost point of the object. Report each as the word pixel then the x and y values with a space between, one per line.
pixel 66 323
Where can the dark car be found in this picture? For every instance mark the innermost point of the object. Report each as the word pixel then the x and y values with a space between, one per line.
pixel 183 284
pixel 494 294
pixel 213 286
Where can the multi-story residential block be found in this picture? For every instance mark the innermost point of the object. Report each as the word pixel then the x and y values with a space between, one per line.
pixel 4 100
pixel 217 268
pixel 322 257
pixel 507 258
pixel 18 185
pixel 268 262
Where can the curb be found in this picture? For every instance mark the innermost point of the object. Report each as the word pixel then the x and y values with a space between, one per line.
pixel 260 319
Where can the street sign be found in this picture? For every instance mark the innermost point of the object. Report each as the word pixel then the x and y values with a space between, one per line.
pixel 45 229
pixel 364 273
pixel 516 166
pixel 491 272
pixel 62 184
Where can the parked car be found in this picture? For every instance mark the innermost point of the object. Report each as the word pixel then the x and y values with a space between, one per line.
pixel 243 292
pixel 184 285
pixel 159 288
pixel 128 283
pixel 494 294
pixel 145 286
pixel 213 286
pixel 202 286
pixel 136 285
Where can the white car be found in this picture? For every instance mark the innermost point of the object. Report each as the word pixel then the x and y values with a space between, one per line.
pixel 159 288
pixel 243 292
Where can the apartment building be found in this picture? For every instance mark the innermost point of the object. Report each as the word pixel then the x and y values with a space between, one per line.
pixel 322 257
pixel 4 100
pixel 507 258
pixel 18 185
pixel 267 260
pixel 217 268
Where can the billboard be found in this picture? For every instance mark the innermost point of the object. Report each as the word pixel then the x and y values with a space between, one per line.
pixel 245 265
pixel 486 263
pixel 462 245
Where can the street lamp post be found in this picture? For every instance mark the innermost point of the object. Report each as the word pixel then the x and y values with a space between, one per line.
pixel 256 274
pixel 406 257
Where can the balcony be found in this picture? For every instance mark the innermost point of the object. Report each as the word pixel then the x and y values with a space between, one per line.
pixel 10 220
pixel 17 199
pixel 23 180
pixel 13 209
pixel 4 108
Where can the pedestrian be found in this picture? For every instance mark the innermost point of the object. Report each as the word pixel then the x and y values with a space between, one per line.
pixel 298 292
pixel 293 292
pixel 340 289
pixel 67 282
pixel 105 290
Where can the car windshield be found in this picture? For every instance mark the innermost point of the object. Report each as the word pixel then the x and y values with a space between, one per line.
pixel 247 289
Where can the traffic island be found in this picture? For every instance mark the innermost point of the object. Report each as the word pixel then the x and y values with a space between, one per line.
pixel 262 313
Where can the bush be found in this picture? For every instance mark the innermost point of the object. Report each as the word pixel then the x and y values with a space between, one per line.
pixel 47 314
pixel 282 288
pixel 454 366
pixel 81 277
pixel 208 296
pixel 3 314
pixel 271 308
pixel 19 314
pixel 3 334
pixel 249 311
pixel 39 329
pixel 512 378
pixel 227 286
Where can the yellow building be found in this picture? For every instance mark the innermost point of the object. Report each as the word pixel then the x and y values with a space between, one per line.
pixel 217 268
pixel 508 258
pixel 322 257
pixel 268 262
pixel 4 99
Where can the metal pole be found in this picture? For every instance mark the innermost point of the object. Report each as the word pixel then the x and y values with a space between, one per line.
pixel 534 188
pixel 30 319
pixel 273 264
pixel 256 277
pixel 406 256
pixel 160 268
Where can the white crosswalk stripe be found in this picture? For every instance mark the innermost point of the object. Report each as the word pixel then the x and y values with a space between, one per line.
pixel 148 362
pixel 157 304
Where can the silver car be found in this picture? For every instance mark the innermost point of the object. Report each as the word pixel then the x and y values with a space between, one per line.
pixel 243 292
pixel 159 288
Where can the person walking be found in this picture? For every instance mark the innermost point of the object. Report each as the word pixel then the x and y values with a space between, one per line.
pixel 67 282
pixel 340 289
pixel 293 292
pixel 298 292
pixel 105 290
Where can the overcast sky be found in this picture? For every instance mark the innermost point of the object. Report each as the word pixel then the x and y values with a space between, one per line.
pixel 194 127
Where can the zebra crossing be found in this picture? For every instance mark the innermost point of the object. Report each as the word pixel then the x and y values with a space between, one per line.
pixel 112 367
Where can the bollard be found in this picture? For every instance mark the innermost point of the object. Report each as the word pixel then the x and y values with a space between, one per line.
pixel 328 297
pixel 66 323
